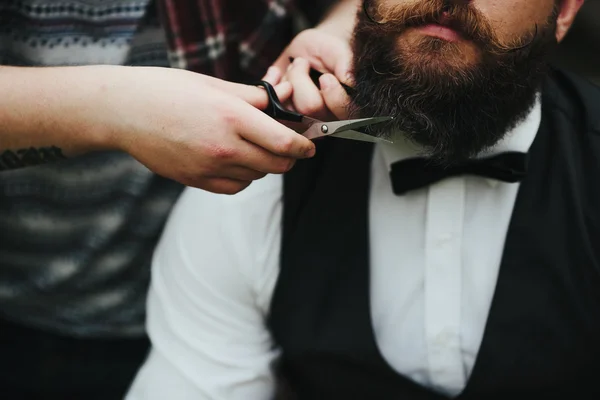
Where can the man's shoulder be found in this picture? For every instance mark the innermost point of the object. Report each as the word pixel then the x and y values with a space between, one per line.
pixel 259 198
pixel 574 98
pixel 226 243
pixel 245 223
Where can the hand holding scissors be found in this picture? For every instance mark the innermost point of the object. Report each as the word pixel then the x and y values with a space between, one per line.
pixel 313 128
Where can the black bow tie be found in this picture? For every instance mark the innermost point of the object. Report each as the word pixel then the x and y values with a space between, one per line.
pixel 415 173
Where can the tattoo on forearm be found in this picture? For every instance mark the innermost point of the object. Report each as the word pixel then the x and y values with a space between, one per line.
pixel 13 159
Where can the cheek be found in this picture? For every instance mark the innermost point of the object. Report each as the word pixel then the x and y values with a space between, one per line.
pixel 510 18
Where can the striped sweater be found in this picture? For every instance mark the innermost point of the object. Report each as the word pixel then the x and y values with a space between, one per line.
pixel 76 237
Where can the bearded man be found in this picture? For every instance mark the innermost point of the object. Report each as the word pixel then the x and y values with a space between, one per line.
pixel 460 261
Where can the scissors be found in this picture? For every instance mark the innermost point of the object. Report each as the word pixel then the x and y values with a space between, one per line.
pixel 312 128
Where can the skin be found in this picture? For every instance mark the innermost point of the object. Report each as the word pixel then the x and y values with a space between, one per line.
pixel 197 130
pixel 506 24
pixel 325 48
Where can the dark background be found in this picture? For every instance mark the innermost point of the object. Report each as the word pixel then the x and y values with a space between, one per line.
pixel 580 51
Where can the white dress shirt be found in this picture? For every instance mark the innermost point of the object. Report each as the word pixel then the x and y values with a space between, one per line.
pixel 435 256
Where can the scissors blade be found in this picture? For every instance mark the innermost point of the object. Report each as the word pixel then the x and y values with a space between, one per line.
pixel 363 137
pixel 354 124
pixel 344 129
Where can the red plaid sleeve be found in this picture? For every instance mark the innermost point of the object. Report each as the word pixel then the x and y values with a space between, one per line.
pixel 231 39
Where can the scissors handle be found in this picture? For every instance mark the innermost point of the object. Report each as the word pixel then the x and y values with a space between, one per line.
pixel 315 75
pixel 275 109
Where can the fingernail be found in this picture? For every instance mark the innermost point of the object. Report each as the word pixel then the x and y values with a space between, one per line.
pixel 291 165
pixel 349 79
pixel 311 152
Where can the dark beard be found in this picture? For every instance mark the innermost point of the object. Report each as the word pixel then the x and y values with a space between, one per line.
pixel 452 112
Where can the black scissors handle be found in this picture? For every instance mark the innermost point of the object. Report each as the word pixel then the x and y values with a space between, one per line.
pixel 275 109
pixel 315 75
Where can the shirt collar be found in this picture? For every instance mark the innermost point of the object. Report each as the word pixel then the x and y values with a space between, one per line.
pixel 519 139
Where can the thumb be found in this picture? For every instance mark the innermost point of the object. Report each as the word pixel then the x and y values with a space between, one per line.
pixel 334 95
pixel 337 58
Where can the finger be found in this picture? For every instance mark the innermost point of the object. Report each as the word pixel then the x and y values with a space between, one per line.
pixel 222 185
pixel 288 105
pixel 284 92
pixel 336 55
pixel 285 78
pixel 257 96
pixel 305 45
pixel 324 52
pixel 240 173
pixel 306 97
pixel 260 161
pixel 283 61
pixel 334 95
pixel 254 95
pixel 273 75
pixel 262 130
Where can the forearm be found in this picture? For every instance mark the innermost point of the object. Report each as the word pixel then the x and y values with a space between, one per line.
pixel 45 113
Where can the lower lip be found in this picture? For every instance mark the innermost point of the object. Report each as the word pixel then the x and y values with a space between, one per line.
pixel 440 32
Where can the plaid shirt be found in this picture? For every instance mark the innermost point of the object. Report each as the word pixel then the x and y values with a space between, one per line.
pixel 235 40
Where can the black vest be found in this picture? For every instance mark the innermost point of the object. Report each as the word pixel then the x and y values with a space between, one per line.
pixel 542 335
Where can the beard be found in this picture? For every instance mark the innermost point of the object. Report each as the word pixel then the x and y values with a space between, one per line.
pixel 452 107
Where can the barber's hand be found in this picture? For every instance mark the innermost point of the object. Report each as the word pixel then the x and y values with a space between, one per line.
pixel 200 131
pixel 327 103
pixel 324 51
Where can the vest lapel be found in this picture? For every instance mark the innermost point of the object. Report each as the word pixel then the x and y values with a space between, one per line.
pixel 324 267
pixel 325 246
pixel 540 331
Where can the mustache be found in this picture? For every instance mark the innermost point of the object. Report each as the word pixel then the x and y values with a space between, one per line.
pixel 461 17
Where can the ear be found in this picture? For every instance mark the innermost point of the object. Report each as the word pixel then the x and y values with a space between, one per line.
pixel 568 9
